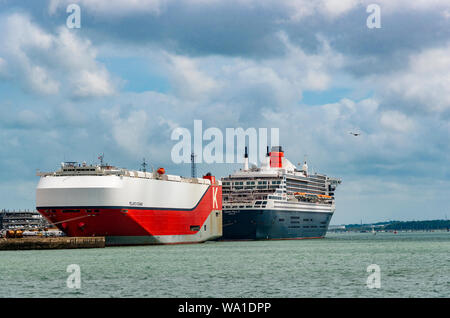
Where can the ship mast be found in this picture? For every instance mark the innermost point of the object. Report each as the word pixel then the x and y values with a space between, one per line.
pixel 193 167
pixel 144 165
pixel 101 159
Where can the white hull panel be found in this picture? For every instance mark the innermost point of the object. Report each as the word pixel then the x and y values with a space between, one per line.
pixel 117 191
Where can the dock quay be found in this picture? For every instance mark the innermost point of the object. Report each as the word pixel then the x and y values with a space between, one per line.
pixel 38 243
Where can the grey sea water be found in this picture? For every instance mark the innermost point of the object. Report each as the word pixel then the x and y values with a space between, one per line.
pixel 412 265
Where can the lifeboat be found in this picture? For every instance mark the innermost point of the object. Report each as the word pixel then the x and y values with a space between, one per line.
pixel 311 197
pixel 14 234
pixel 306 195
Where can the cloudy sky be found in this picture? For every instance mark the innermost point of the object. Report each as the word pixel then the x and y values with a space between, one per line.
pixel 136 70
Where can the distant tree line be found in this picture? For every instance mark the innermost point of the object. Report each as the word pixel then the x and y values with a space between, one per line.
pixel 402 225
pixel 419 225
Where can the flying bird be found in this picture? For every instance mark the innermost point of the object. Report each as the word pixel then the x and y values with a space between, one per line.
pixel 354 134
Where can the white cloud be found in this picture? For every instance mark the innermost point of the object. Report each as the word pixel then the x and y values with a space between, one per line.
pixel 426 80
pixel 44 63
pixel 129 133
pixel 396 121
pixel 18 35
pixel 110 7
pixel 142 123
pixel 323 133
pixel 295 9
pixel 40 80
pixel 339 7
pixel 390 6
pixel 446 14
pixel 276 82
pixel 188 79
pixel 92 83
pixel 405 200
pixel 311 71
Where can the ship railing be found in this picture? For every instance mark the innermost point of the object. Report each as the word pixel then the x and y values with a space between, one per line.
pixel 128 173
pixel 81 173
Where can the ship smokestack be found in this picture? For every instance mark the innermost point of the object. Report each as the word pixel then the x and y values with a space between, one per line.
pixel 246 160
pixel 276 157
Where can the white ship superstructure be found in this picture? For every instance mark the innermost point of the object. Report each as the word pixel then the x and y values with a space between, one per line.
pixel 277 200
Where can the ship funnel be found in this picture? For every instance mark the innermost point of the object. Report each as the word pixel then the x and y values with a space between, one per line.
pixel 210 177
pixel 276 157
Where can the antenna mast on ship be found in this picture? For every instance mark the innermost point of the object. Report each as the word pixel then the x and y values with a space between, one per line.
pixel 144 165
pixel 101 159
pixel 193 167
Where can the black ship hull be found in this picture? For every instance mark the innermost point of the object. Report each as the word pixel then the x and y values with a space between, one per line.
pixel 267 224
